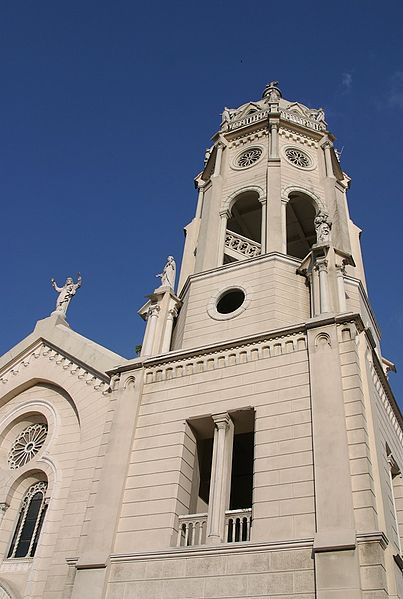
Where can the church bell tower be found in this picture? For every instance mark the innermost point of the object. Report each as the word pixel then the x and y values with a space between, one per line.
pixel 274 365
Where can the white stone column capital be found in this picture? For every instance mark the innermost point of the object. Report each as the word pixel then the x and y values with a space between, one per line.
pixel 340 270
pixel 321 265
pixel 153 310
pixel 222 421
pixel 172 313
pixel 3 508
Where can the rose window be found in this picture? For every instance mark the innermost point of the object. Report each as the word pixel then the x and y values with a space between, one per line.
pixel 249 157
pixel 27 445
pixel 298 157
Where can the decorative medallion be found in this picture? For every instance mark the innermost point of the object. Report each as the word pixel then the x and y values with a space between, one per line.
pixel 298 158
pixel 248 157
pixel 27 445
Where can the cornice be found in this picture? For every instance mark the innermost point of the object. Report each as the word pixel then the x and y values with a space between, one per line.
pixel 357 283
pixel 222 549
pixel 44 349
pixel 388 399
pixel 239 265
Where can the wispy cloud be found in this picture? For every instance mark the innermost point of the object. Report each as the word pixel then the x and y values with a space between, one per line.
pixel 346 81
pixel 396 90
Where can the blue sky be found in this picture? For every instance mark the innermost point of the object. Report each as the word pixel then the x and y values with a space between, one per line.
pixel 107 108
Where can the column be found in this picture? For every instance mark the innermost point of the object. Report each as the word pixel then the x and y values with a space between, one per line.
pixel 284 224
pixel 217 166
pixel 166 343
pixel 274 140
pixel 263 226
pixel 321 266
pixel 220 483
pixel 274 241
pixel 199 208
pixel 224 216
pixel 150 330
pixel 328 159
pixel 341 292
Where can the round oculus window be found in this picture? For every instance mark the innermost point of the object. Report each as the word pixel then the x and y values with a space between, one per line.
pixel 27 445
pixel 248 157
pixel 298 158
pixel 230 301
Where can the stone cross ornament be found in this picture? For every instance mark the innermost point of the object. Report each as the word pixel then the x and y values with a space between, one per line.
pixel 65 293
pixel 168 274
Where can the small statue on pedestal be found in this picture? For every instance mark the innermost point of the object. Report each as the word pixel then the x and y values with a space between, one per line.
pixel 168 274
pixel 65 293
pixel 322 227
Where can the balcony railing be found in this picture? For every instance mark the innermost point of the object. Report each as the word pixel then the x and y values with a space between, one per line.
pixel 193 528
pixel 237 525
pixel 240 247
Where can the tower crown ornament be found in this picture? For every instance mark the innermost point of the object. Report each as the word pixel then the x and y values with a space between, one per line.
pixel 272 92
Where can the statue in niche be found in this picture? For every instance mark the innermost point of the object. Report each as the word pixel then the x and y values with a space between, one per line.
pixel 207 155
pixel 168 274
pixel 66 292
pixel 322 227
pixel 317 115
pixel 272 92
pixel 225 119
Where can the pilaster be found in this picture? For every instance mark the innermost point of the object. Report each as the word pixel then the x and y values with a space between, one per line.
pixel 337 568
pixel 97 545
pixel 274 230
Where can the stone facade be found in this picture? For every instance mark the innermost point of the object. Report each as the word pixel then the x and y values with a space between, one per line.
pixel 254 448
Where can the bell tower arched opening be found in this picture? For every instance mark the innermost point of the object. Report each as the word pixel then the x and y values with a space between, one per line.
pixel 244 228
pixel 300 216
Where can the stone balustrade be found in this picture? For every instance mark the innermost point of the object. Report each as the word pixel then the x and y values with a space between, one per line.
pixel 242 245
pixel 193 528
pixel 237 525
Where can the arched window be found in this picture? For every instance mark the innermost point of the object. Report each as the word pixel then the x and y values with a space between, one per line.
pixel 301 233
pixel 244 228
pixel 29 523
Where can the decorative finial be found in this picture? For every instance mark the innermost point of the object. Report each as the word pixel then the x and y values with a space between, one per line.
pixel 168 274
pixel 65 293
pixel 272 92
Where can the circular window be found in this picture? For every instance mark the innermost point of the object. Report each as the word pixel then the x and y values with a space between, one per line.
pixel 248 157
pixel 298 158
pixel 230 301
pixel 27 445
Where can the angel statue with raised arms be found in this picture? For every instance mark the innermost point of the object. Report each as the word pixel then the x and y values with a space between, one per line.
pixel 65 293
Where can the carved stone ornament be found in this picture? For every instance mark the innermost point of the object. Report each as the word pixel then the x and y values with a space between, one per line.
pixel 323 226
pixel 272 92
pixel 66 293
pixel 27 445
pixel 248 157
pixel 317 115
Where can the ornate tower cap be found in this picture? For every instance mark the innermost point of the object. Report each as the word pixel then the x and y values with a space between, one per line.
pixel 272 92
